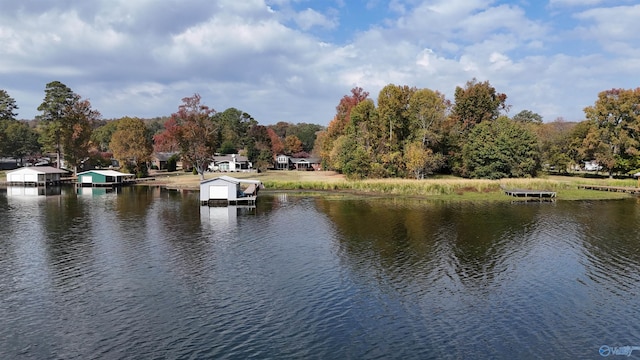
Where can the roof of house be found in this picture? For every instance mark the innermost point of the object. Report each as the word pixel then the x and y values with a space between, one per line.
pixel 221 158
pixel 232 180
pixel 312 160
pixel 105 173
pixel 163 156
pixel 39 170
pixel 307 160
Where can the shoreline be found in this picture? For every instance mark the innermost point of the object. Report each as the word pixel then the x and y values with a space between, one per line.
pixel 439 188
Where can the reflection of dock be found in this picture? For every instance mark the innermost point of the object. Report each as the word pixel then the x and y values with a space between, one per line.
pixel 530 193
pixel 219 216
pixel 28 191
pixel 80 190
pixel 624 189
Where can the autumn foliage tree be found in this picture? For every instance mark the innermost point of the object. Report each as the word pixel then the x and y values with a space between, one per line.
pixel 394 114
pixel 131 145
pixel 615 136
pixel 193 132
pixel 76 134
pixel 477 102
pixel 292 145
pixel 421 161
pixel 337 126
pixel 259 147
pixel 67 124
pixel 277 146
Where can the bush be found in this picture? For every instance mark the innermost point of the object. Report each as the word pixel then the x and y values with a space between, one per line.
pixel 500 149
pixel 172 163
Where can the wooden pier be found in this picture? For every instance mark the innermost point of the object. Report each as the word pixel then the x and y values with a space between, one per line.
pixel 624 189
pixel 542 194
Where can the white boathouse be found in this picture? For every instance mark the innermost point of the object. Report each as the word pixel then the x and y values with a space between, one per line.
pixel 230 190
pixel 35 175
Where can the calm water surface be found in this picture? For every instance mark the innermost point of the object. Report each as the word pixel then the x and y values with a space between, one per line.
pixel 143 273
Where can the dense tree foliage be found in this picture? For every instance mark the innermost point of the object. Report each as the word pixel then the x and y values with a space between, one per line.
pixel 306 133
pixel 394 115
pixel 499 149
pixel 528 116
pixel 477 102
pixel 66 124
pixel 292 145
pixel 101 136
pixel 615 136
pixel 558 149
pixel 58 98
pixel 76 134
pixel 407 132
pixel 193 131
pixel 337 126
pixel 17 138
pixel 277 145
pixel 233 130
pixel 428 111
pixel 7 106
pixel 259 148
pixel 131 145
pixel 399 137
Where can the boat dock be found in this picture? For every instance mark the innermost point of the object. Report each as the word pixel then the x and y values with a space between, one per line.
pixel 226 189
pixel 624 189
pixel 530 193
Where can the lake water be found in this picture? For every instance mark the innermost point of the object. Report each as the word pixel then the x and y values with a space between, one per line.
pixel 144 273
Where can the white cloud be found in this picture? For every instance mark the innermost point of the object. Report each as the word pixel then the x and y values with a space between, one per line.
pixel 499 61
pixel 310 18
pixel 270 58
pixel 611 24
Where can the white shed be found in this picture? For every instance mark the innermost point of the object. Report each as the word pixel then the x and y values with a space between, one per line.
pixel 35 175
pixel 229 189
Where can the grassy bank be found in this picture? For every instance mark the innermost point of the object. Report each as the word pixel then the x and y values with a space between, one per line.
pixel 441 187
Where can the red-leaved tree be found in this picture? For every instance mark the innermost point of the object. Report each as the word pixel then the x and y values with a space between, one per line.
pixel 193 132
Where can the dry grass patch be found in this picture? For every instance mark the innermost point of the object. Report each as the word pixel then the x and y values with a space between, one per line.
pixel 440 187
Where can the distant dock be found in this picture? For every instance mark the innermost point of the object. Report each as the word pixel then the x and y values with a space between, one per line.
pixel 624 189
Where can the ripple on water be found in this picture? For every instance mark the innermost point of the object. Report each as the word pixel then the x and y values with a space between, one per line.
pixel 296 279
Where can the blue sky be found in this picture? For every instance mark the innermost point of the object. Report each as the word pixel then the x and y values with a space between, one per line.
pixel 292 60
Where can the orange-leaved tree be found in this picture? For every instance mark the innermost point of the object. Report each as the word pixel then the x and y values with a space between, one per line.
pixel 131 145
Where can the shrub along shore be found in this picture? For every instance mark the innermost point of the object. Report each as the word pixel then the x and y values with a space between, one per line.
pixel 437 188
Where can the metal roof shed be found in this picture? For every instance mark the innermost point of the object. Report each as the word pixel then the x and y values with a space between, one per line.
pixel 102 178
pixel 35 175
pixel 229 189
